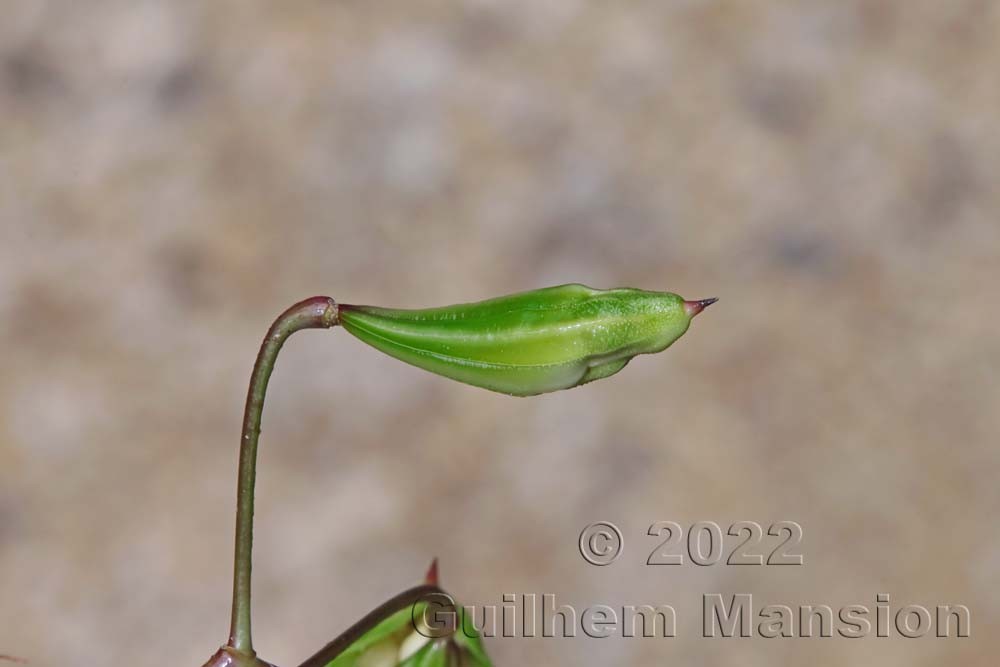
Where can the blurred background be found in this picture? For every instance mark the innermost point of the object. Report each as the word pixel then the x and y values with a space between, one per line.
pixel 174 174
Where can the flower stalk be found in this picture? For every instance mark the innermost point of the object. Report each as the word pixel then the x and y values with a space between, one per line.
pixel 319 312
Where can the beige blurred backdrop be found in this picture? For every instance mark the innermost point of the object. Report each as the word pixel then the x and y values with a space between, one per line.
pixel 173 174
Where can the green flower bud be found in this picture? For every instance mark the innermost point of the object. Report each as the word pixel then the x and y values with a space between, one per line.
pixel 532 342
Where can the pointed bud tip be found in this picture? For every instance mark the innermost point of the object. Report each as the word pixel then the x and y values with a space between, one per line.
pixel 694 307
pixel 431 579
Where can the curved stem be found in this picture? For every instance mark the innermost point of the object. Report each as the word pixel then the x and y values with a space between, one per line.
pixel 318 312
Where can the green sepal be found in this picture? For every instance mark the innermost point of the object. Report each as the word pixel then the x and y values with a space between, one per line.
pixel 382 645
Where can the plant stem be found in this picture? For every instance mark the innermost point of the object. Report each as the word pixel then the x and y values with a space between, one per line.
pixel 318 312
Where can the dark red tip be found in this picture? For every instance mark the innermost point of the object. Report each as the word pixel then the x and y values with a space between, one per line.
pixel 692 308
pixel 431 579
